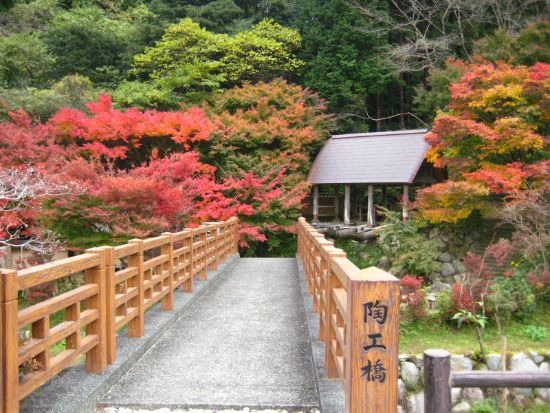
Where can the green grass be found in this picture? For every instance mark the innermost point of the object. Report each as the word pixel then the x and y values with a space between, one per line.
pixel 417 336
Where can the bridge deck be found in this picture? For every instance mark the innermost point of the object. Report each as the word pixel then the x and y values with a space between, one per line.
pixel 244 343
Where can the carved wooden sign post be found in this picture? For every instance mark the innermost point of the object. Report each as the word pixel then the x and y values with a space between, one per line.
pixel 372 344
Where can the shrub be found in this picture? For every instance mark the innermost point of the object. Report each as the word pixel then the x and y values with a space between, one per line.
pixel 413 296
pixel 536 333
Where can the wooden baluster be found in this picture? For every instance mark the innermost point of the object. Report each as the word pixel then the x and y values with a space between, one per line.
pixel 372 342
pixel 136 327
pixel 110 287
pixel 330 282
pixel 168 282
pixel 72 313
pixel 204 259
pixel 10 344
pixel 96 358
pixel 40 329
pixel 188 242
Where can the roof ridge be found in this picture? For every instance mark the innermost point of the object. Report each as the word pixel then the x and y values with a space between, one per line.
pixel 384 133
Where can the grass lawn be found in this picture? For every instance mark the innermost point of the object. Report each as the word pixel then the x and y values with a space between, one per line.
pixel 417 336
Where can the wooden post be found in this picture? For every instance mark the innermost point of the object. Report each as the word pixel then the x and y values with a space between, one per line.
pixel 372 342
pixel 96 358
pixel 188 242
pixel 110 334
pixel 136 327
pixel 336 205
pixel 168 249
pixel 405 203
pixel 437 389
pixel 315 203
pixel 10 344
pixel 371 218
pixel 347 196
pixel 330 283
pixel 204 261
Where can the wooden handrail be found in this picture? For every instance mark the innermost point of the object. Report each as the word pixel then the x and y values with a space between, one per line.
pixel 119 285
pixel 359 311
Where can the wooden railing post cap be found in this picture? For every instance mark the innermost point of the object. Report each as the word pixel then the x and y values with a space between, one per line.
pixel 436 353
pixel 336 252
pixel 102 252
pixel 139 243
pixel 9 284
pixel 167 234
pixel 373 274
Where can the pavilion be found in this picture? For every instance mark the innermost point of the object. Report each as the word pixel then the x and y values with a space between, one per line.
pixel 383 159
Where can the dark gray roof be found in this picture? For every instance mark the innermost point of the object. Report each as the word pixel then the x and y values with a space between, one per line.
pixel 370 158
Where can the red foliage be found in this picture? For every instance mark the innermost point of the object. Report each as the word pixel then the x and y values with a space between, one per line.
pixel 462 299
pixel 412 295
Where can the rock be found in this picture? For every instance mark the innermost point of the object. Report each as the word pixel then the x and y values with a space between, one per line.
pixel 521 362
pixel 539 402
pixel 536 357
pixel 544 367
pixel 459 266
pixel 445 257
pixel 401 389
pixel 474 394
pixel 462 407
pixel 544 394
pixel 493 362
pixel 364 255
pixel 418 360
pixel 400 409
pixel 461 363
pixel 439 286
pixel 409 375
pixel 447 269
pixel 456 394
pixel 415 403
pixel 384 263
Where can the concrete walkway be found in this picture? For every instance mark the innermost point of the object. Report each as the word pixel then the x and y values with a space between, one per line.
pixel 243 344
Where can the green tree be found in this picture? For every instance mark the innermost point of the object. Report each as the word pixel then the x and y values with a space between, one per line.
pixel 24 60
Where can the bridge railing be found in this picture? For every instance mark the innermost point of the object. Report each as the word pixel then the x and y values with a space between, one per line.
pixel 358 322
pixel 119 285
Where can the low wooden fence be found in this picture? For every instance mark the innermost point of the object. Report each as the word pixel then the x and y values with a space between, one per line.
pixel 359 322
pixel 109 299
pixel 438 380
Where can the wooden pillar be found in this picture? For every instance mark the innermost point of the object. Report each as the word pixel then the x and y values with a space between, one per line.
pixel 168 267
pixel 110 306
pixel 347 196
pixel 372 342
pixel 96 358
pixel 315 203
pixel 336 205
pixel 437 390
pixel 136 327
pixel 405 202
pixel 370 208
pixel 10 344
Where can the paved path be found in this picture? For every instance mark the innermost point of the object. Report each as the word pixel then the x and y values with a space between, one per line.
pixel 244 343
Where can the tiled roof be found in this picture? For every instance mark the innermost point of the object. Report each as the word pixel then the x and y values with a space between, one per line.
pixel 370 158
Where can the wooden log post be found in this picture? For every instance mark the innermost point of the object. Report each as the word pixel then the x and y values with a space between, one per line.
pixel 405 203
pixel 96 358
pixel 136 327
pixel 347 204
pixel 372 342
pixel 10 344
pixel 437 389
pixel 371 218
pixel 204 260
pixel 168 267
pixel 110 334
pixel 315 203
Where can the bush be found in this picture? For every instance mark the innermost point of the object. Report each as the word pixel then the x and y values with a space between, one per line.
pixel 409 250
pixel 413 296
pixel 536 333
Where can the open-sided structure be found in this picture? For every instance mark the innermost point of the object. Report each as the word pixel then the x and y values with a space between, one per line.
pixel 379 158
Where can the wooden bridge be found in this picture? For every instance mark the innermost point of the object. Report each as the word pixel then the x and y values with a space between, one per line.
pixel 244 341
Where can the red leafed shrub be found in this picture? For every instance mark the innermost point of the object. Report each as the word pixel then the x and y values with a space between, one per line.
pixel 462 299
pixel 413 296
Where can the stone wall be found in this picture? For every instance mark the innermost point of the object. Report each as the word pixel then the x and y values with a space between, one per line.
pixel 411 396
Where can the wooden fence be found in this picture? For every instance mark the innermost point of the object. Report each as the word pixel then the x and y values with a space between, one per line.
pixel 120 284
pixel 359 322
pixel 438 380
